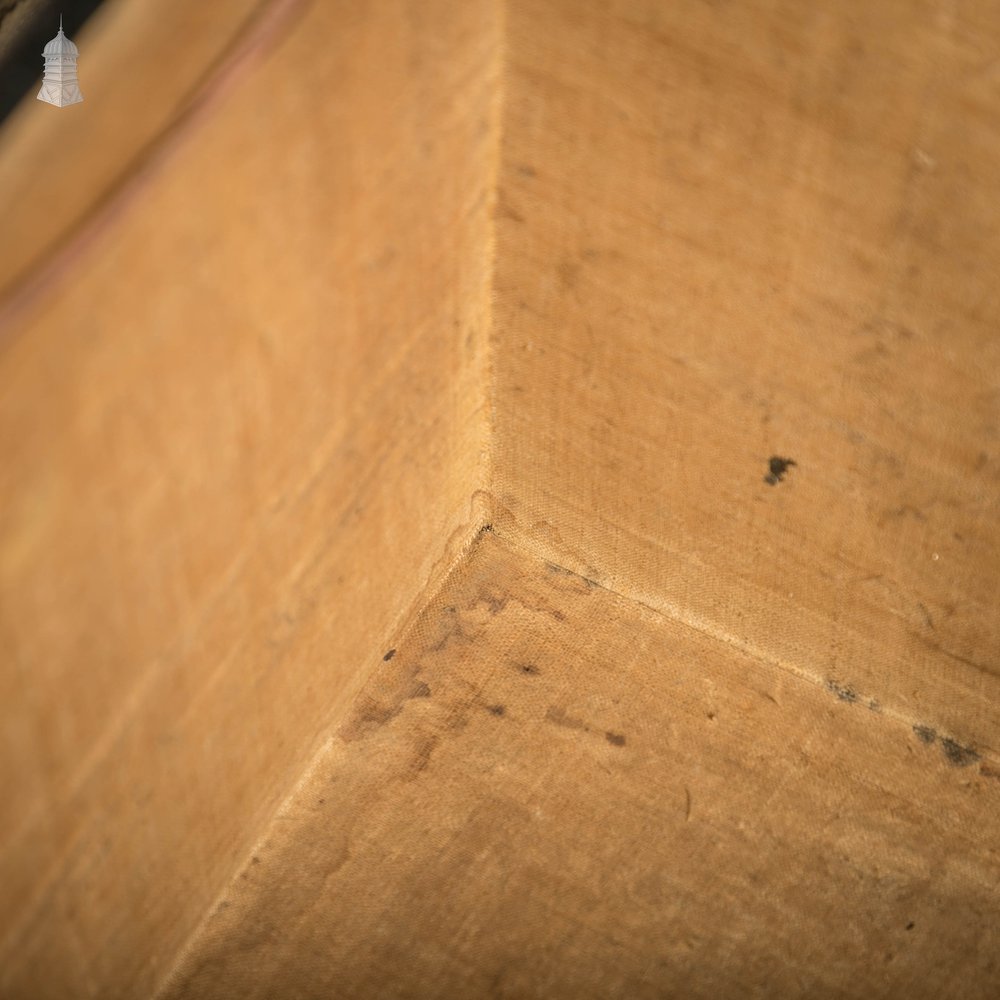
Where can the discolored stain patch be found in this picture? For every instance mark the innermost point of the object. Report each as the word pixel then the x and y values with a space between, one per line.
pixel 454 633
pixel 496 710
pixel 958 755
pixel 954 752
pixel 777 468
pixel 569 273
pixel 528 669
pixel 928 621
pixel 505 210
pixel 424 746
pixel 903 511
pixel 560 718
pixel 388 656
pixel 989 772
pixel 842 691
pixel 588 581
pixel 372 713
pixel 493 603
pixel 982 668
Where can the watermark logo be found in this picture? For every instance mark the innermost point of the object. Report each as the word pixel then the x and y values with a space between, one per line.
pixel 59 84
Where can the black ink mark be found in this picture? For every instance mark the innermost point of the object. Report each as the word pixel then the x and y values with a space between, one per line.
pixel 925 734
pixel 615 739
pixel 389 655
pixel 778 467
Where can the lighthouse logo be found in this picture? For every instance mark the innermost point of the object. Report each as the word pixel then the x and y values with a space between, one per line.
pixel 59 84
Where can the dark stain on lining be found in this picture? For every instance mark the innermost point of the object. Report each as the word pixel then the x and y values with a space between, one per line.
pixel 424 747
pixel 388 656
pixel 505 210
pixel 464 624
pixel 589 582
pixel 954 752
pixel 842 691
pixel 569 273
pixel 777 467
pixel 494 604
pixel 454 633
pixel 372 713
pixel 928 621
pixel 497 710
pixel 958 755
pixel 561 718
pixel 981 667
